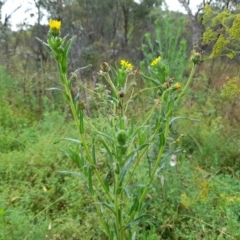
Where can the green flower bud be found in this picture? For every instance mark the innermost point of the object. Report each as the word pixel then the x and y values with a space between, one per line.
pixel 55 43
pixel 60 50
pixel 124 149
pixel 122 137
pixel 196 57
pixel 81 105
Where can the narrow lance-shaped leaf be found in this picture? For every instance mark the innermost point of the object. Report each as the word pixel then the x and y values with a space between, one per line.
pixel 107 149
pixel 156 82
pixel 81 127
pixel 106 136
pixel 137 149
pixel 93 152
pixel 46 47
pixel 90 180
pixel 65 55
pixel 134 236
pixel 126 167
pixel 161 139
pixel 69 139
pixel 176 118
pixel 135 205
pixel 83 68
pixel 137 220
pixel 109 206
pixel 106 182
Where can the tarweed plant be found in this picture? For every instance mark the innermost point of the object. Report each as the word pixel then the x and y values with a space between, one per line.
pixel 170 47
pixel 112 157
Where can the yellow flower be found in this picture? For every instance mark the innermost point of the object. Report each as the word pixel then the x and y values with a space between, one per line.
pixel 54 24
pixel 155 61
pixel 177 85
pixel 126 64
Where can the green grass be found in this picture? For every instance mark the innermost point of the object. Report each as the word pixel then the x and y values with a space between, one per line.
pixel 36 199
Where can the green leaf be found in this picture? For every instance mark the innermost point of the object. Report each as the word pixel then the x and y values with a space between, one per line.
pixel 109 206
pixel 137 220
pixel 106 182
pixel 81 126
pixel 83 68
pixel 161 138
pixel 130 130
pixel 66 97
pixel 175 118
pixel 105 146
pixel 42 42
pixel 75 157
pixel 72 173
pixel 70 140
pixel 53 88
pixel 93 151
pixel 65 54
pixel 105 136
pixel 64 39
pixel 137 149
pixel 138 129
pixel 170 105
pixel 46 47
pixel 134 236
pixel 126 167
pixel 119 215
pixel 135 205
pixel 156 82
pixel 90 180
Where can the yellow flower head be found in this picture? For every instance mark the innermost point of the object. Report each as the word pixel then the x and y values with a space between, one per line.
pixel 55 25
pixel 155 61
pixel 177 85
pixel 126 64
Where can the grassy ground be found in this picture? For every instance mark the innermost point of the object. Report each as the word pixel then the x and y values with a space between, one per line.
pixel 197 199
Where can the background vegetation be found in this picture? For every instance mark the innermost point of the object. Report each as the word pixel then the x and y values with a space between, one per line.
pixel 199 198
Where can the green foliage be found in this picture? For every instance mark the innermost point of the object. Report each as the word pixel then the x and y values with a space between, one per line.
pixel 172 47
pixel 37 200
pixel 211 141
pixel 7 97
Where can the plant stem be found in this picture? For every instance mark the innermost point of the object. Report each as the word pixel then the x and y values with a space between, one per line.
pixel 166 132
pixel 77 122
pixel 187 84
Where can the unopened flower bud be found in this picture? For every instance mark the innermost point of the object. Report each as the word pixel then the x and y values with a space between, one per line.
pixel 105 67
pixel 196 57
pixel 122 137
pixel 60 50
pixel 73 76
pixel 81 105
pixel 177 86
pixel 121 94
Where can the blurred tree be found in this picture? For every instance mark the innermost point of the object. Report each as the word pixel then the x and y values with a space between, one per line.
pixel 8 44
pixel 196 18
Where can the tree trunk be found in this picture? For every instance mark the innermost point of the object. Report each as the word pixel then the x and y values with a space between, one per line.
pixel 196 25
